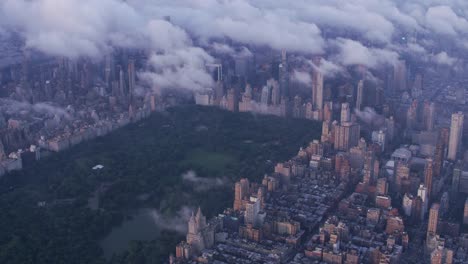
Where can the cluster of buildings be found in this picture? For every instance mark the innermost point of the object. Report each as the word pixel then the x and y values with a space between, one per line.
pixel 385 184
pixel 55 104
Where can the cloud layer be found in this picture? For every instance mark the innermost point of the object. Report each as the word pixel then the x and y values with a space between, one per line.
pixel 364 32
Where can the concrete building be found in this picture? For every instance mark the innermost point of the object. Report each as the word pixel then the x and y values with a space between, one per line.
pixel 346 136
pixel 456 133
pixel 345 113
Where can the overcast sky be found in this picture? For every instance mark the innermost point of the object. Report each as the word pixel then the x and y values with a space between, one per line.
pixel 357 31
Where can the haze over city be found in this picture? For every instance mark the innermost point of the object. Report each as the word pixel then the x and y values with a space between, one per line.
pixel 233 131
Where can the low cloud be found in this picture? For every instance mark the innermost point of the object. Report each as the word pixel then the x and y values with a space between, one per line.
pixel 177 222
pixel 351 52
pixel 302 77
pixel 203 184
pixel 443 58
pixel 370 117
pixel 9 106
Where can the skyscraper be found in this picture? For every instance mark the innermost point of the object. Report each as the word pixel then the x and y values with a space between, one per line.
pixel 433 219
pixel 131 79
pixel 283 76
pixel 429 115
pixel 360 94
pixel 345 113
pixel 465 213
pixel 399 76
pixel 428 174
pixel 317 90
pixel 422 192
pixel 346 136
pixel 456 132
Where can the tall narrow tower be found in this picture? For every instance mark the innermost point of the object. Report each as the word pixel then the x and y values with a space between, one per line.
pixel 317 87
pixel 360 94
pixel 345 113
pixel 428 174
pixel 456 132
pixel 433 219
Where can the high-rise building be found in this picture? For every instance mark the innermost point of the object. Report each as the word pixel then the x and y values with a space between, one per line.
pixel 232 100
pixel 399 76
pixel 416 90
pixel 465 213
pixel 438 158
pixel 346 136
pixel 428 175
pixel 429 115
pixel 275 91
pixel 422 192
pixel 328 111
pixel 131 79
pixel 317 90
pixel 284 75
pixel 345 113
pixel 122 84
pixel 411 116
pixel 195 226
pixel 369 168
pixel 456 133
pixel 360 95
pixel 408 204
pixel 252 209
pixel 382 186
pixel 433 219
pixel 266 95
pixel 240 193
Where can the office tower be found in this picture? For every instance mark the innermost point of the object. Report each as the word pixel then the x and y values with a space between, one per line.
pixel 433 219
pixel 422 192
pixel 360 95
pixel 108 71
pixel 283 76
pixel 456 133
pixel 428 174
pixel 131 79
pixel 399 76
pixel 416 90
pixel 345 113
pixel 346 136
pixel 465 213
pixel 428 115
pixel 411 116
pixel 317 89
pixel 122 86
